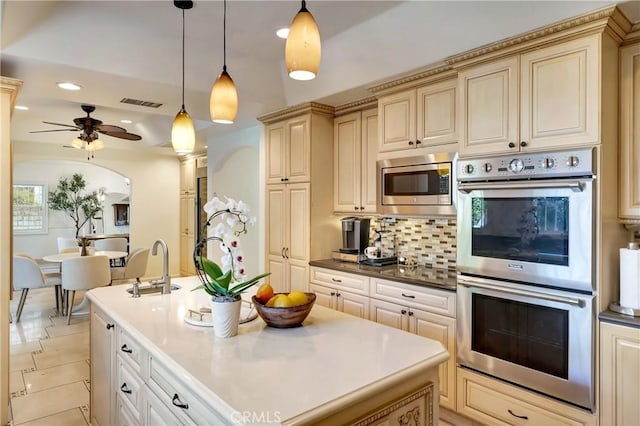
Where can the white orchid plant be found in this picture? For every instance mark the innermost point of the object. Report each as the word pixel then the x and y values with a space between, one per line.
pixel 227 281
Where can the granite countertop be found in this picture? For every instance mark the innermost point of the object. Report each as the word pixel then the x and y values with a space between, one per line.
pixel 418 275
pixel 615 317
pixel 299 372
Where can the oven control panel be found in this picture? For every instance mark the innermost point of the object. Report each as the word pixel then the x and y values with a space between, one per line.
pixel 578 162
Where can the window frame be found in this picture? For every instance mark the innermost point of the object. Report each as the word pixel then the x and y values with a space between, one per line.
pixel 45 209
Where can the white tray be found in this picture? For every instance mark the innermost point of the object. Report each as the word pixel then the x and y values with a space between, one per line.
pixel 247 313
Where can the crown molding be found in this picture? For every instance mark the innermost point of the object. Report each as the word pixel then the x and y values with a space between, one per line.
pixel 433 73
pixel 11 86
pixel 633 35
pixel 359 105
pixel 307 107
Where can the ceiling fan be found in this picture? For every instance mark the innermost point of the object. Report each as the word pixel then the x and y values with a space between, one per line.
pixel 89 128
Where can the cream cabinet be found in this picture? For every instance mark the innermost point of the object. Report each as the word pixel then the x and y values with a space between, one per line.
pixel 619 373
pixel 421 117
pixel 630 132
pixel 187 232
pixel 355 149
pixel 344 292
pixel 288 151
pixel 188 175
pixel 102 346
pixel 543 99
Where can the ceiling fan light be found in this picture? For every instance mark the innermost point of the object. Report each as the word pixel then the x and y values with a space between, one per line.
pixel 77 143
pixel 97 144
pixel 303 48
pixel 223 104
pixel 183 134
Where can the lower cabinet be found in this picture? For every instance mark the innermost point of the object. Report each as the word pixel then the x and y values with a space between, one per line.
pixel 619 374
pixel 340 300
pixel 102 337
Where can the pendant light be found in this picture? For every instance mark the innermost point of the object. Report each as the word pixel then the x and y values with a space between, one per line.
pixel 223 104
pixel 302 51
pixel 183 134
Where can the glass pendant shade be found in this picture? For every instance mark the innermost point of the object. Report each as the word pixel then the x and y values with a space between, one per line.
pixel 303 51
pixel 183 134
pixel 77 143
pixel 97 144
pixel 223 104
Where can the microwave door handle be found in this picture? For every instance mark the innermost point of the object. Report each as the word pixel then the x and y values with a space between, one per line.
pixel 576 186
pixel 551 297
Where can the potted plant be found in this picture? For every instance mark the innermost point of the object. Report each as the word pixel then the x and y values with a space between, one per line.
pixel 225 283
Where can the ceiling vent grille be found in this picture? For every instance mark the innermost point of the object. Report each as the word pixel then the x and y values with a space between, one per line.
pixel 140 103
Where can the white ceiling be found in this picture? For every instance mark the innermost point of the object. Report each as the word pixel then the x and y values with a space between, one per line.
pixel 118 49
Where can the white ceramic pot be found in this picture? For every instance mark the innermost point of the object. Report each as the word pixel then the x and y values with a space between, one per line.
pixel 226 317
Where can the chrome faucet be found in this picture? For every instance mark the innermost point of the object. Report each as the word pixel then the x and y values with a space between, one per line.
pixel 166 279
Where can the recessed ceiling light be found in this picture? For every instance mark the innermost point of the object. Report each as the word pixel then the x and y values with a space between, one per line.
pixel 283 33
pixel 67 85
pixel 22 107
pixel 126 121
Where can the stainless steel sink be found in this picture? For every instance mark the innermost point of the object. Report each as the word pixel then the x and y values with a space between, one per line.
pixel 152 289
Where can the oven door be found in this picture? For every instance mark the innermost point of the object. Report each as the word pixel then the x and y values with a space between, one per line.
pixel 536 338
pixel 530 231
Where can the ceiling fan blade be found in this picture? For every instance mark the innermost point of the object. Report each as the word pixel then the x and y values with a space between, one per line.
pixel 109 128
pixel 122 135
pixel 56 130
pixel 61 124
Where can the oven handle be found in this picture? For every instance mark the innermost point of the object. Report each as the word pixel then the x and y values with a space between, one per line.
pixel 551 297
pixel 576 186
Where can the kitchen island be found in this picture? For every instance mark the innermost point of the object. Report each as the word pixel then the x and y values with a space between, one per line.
pixel 149 366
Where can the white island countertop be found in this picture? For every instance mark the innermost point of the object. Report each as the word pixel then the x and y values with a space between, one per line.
pixel 296 374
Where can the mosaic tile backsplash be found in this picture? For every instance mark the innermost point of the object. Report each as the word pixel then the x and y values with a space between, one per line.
pixel 429 241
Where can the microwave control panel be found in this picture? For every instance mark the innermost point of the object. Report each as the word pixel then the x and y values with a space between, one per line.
pixel 528 166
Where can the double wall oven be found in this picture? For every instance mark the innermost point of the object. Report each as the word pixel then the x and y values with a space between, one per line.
pixel 526 276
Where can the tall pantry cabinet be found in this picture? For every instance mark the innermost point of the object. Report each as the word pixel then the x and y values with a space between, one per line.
pixel 298 193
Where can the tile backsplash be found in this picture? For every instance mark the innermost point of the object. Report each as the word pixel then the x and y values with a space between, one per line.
pixel 430 241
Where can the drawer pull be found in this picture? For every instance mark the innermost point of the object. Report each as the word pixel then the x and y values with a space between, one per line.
pixel 176 401
pixel 336 280
pixel 404 311
pixel 124 388
pixel 109 326
pixel 515 415
pixel 410 296
pixel 124 348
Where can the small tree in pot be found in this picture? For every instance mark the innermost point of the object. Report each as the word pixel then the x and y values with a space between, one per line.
pixel 70 197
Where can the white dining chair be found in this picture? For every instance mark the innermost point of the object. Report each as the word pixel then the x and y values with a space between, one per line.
pixel 83 273
pixel 66 243
pixel 75 249
pixel 113 244
pixel 134 267
pixel 27 275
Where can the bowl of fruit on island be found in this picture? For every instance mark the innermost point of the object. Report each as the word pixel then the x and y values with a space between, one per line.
pixel 282 310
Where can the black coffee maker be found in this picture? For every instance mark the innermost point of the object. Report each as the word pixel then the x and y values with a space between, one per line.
pixel 355 234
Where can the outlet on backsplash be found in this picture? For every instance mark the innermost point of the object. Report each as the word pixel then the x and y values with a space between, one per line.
pixel 430 241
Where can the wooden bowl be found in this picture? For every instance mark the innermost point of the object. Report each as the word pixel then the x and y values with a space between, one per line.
pixel 285 317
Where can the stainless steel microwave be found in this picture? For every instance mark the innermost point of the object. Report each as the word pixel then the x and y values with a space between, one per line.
pixel 421 185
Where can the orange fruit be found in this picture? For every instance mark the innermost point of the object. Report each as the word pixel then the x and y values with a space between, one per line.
pixel 264 293
pixel 298 297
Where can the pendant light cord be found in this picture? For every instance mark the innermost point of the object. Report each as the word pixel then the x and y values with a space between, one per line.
pixel 224 37
pixel 182 59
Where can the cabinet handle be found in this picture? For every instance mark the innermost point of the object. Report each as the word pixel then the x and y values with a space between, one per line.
pixel 336 280
pixel 418 142
pixel 109 326
pixel 124 348
pixel 176 401
pixel 286 252
pixel 286 179
pixel 515 415
pixel 362 208
pixel 410 313
pixel 523 143
pixel 410 142
pixel 333 293
pixel 410 296
pixel 281 179
pixel 338 295
pixel 124 388
pixel 512 145
pixel 282 252
pixel 404 311
pixel 355 208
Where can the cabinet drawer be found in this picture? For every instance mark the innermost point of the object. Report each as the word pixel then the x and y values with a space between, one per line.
pixel 130 351
pixel 431 300
pixel 496 403
pixel 124 415
pixel 129 386
pixel 181 401
pixel 358 284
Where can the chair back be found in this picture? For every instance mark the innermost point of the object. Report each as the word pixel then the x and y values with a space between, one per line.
pixel 111 244
pixel 85 272
pixel 64 243
pixel 75 249
pixel 136 265
pixel 26 273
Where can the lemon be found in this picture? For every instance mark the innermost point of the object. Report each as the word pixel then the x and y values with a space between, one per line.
pixel 282 301
pixel 298 297
pixel 272 301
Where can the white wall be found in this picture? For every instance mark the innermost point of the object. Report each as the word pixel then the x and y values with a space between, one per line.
pixel 155 190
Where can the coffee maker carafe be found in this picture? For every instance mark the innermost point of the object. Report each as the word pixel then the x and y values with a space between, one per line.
pixel 355 234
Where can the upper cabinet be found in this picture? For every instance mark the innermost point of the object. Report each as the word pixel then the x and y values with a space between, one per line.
pixel 543 99
pixel 288 151
pixel 188 176
pixel 418 118
pixel 630 132
pixel 355 148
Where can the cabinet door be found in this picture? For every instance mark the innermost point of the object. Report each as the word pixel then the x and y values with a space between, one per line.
pixel 353 304
pixel 298 214
pixel 325 296
pixel 278 278
pixel 347 160
pixel 188 175
pixel 489 108
pixel 187 244
pixel 298 155
pixel 102 366
pixel 276 219
pixel 156 413
pixel 442 329
pixel 619 372
pixel 630 132
pixel 436 112
pixel 187 214
pixel 369 156
pixel 388 314
pixel 560 94
pixel 275 153
pixel 397 127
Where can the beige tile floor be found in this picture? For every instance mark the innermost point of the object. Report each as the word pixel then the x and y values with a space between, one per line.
pixel 49 363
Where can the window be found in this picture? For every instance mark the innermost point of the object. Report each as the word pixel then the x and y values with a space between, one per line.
pixel 29 208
